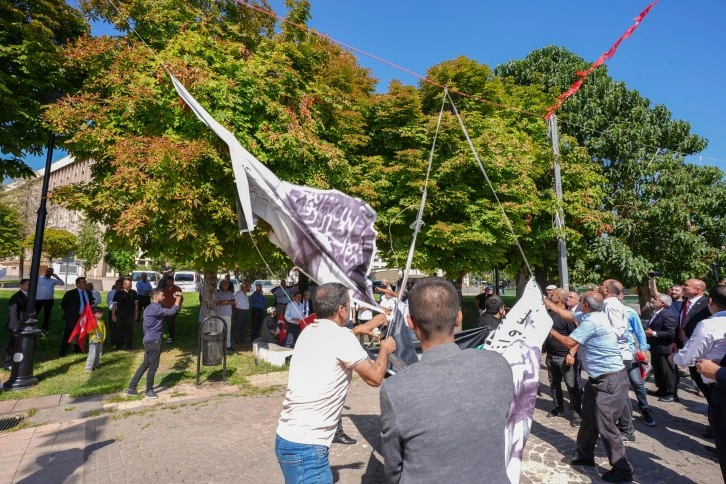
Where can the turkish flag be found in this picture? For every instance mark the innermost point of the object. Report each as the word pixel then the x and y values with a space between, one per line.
pixel 307 320
pixel 86 323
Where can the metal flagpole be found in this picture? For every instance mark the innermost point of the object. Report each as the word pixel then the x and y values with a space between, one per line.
pixel 559 213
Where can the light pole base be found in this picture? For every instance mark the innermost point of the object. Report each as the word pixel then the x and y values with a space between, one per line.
pixel 21 373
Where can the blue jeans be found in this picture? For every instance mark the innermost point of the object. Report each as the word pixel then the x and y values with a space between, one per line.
pixel 303 463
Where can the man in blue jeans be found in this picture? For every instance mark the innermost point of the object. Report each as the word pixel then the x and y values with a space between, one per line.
pixel 635 328
pixel 326 355
pixel 153 331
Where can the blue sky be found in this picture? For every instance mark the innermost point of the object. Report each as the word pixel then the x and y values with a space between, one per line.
pixel 675 57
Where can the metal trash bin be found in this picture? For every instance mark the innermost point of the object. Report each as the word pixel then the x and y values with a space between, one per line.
pixel 212 343
pixel 212 348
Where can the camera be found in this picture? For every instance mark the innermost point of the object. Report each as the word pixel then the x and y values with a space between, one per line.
pixel 654 273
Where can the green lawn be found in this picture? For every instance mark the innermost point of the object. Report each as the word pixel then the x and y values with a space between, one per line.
pixel 178 361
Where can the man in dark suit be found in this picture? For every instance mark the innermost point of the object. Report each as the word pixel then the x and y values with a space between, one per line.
pixel 72 304
pixel 17 314
pixel 661 333
pixel 451 399
pixel 694 310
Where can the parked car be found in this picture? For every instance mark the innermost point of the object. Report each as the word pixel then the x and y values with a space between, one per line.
pixel 267 285
pixel 151 276
pixel 188 281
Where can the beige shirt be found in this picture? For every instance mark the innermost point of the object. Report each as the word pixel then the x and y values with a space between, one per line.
pixel 320 373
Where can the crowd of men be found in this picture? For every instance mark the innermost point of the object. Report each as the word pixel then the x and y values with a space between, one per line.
pixel 598 346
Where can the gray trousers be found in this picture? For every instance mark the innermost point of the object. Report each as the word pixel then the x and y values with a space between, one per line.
pixel 602 405
pixel 94 355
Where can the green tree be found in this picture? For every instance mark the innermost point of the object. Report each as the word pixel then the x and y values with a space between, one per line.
pixel 162 181
pixel 122 261
pixel 10 230
pixel 57 243
pixel 33 73
pixel 668 214
pixel 465 230
pixel 89 244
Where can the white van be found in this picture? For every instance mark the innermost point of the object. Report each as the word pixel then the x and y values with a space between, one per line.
pixel 151 276
pixel 188 281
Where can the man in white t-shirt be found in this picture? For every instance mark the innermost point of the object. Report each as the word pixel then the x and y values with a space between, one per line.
pixel 325 356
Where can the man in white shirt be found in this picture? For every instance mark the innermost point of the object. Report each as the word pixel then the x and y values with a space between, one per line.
pixel 44 295
pixel 320 373
pixel 239 312
pixel 294 312
pixel 709 339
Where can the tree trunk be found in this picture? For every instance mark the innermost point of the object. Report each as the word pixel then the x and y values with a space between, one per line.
pixel 209 296
pixel 21 264
pixel 522 278
pixel 541 276
pixel 643 299
pixel 303 281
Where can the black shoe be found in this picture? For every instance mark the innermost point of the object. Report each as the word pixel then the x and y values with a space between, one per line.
pixel 648 418
pixel 151 394
pixel 576 460
pixel 554 413
pixel 667 399
pixel 676 399
pixel 341 438
pixel 627 438
pixel 617 475
pixel 575 421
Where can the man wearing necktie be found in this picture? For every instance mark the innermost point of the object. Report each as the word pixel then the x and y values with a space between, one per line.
pixel 306 303
pixel 72 304
pixel 695 309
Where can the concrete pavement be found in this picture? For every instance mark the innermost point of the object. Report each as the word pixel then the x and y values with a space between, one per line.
pixel 207 436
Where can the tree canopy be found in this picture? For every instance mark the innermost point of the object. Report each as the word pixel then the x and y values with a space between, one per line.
pixel 89 244
pixel 668 213
pixel 32 73
pixel 57 243
pixel 10 229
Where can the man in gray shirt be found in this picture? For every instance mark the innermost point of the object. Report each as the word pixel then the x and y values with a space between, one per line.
pixel 443 418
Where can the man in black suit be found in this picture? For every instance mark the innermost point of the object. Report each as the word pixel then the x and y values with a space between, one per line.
pixel 72 304
pixel 17 314
pixel 695 310
pixel 661 333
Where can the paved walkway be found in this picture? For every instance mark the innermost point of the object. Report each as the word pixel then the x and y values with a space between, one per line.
pixel 205 436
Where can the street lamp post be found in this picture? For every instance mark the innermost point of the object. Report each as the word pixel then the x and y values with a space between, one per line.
pixel 26 336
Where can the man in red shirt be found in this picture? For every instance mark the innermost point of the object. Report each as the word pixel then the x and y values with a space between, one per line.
pixel 169 300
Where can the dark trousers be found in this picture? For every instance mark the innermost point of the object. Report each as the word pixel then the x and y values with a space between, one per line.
pixel 664 374
pixel 557 371
pixel 258 315
pixel 10 348
pixel 294 330
pixel 717 422
pixel 143 302
pixel 239 318
pixel 152 354
pixel 171 325
pixel 125 324
pixel 70 325
pixel 44 306
pixel 602 404
pixel 698 380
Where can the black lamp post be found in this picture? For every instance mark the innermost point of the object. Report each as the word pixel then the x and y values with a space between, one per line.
pixel 26 336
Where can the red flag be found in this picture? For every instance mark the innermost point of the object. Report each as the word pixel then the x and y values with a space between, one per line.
pixel 304 322
pixel 86 323
pixel 607 55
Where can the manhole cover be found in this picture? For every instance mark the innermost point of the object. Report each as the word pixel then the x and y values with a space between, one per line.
pixel 10 422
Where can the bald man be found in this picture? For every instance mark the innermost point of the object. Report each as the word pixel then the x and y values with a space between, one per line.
pixel 695 309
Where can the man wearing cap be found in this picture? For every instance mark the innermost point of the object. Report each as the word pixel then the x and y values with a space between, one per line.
pixel 549 290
